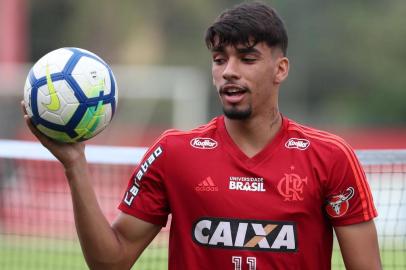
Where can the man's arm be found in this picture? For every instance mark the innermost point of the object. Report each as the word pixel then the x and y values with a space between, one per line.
pixel 359 246
pixel 104 246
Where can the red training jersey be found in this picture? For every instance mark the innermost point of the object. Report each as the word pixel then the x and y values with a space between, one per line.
pixel 275 210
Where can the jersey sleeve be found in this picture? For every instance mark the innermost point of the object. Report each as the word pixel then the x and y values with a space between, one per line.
pixel 347 194
pixel 145 196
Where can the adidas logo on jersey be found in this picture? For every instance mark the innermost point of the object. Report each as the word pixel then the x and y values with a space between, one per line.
pixel 301 144
pixel 203 143
pixel 207 185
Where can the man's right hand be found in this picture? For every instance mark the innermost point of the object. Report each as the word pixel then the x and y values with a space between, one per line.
pixel 69 154
pixel 104 246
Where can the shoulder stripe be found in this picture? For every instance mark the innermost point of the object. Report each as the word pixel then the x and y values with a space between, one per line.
pixel 365 194
pixel 175 132
pixel 355 164
pixel 165 134
pixel 360 171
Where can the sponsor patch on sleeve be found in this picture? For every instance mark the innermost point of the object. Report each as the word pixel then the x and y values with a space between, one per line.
pixel 338 205
pixel 142 169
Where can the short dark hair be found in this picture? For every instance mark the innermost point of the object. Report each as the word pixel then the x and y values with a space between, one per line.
pixel 248 24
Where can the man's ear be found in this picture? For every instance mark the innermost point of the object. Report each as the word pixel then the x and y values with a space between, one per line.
pixel 281 69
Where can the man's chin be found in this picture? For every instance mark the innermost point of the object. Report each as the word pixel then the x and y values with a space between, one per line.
pixel 236 114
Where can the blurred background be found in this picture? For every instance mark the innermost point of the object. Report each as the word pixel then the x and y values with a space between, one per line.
pixel 348 60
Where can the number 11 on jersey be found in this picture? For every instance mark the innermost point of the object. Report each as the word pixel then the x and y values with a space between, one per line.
pixel 251 262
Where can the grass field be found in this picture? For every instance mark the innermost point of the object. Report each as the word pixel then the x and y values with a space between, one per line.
pixel 22 253
pixel 18 253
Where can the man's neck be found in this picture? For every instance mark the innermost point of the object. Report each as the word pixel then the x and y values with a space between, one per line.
pixel 252 135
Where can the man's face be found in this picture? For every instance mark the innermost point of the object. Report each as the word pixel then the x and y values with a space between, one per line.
pixel 244 78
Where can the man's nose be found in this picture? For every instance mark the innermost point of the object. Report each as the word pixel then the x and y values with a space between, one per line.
pixel 231 70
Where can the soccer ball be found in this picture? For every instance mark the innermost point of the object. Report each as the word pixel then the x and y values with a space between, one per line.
pixel 70 94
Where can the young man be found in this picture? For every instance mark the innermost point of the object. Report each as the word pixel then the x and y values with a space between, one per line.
pixel 250 189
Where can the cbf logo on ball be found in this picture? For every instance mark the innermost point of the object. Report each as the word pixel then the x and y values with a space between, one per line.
pixel 338 205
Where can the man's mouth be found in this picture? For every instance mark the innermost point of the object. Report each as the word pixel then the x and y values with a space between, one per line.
pixel 232 90
pixel 233 93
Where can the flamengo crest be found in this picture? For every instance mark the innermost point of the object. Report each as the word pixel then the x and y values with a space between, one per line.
pixel 291 187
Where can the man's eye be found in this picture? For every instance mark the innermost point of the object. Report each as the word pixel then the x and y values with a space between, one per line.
pixel 218 60
pixel 248 59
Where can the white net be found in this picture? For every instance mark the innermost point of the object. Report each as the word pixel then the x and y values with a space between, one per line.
pixel 36 222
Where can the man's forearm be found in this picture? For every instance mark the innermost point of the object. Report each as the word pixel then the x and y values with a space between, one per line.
pixel 99 242
pixel 359 245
